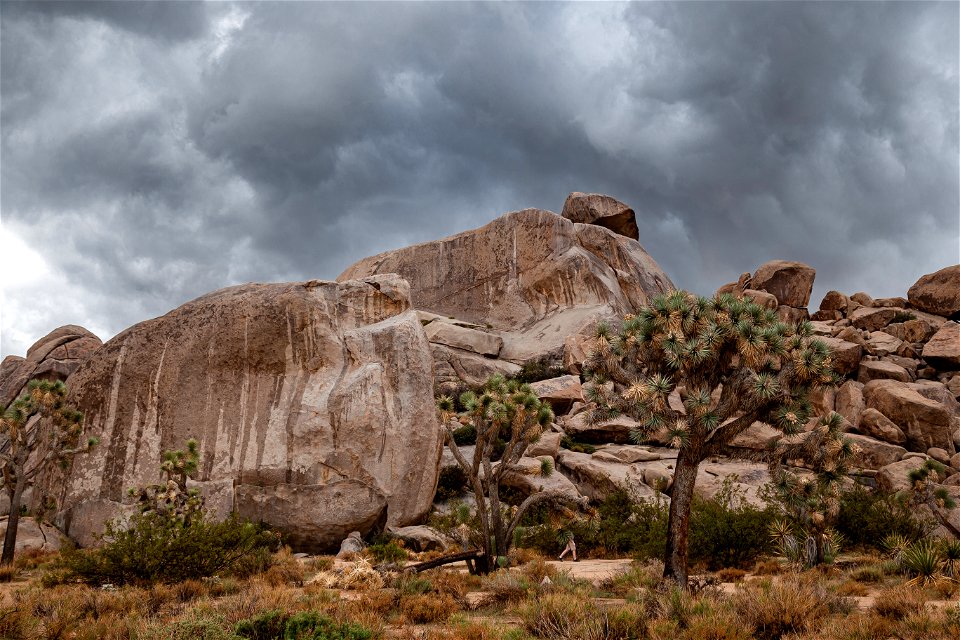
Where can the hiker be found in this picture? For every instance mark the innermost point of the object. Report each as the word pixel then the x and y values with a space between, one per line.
pixel 571 547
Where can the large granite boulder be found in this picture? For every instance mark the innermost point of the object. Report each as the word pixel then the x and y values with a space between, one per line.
pixel 925 422
pixel 312 403
pixel 35 536
pixel 53 357
pixel 938 292
pixel 531 276
pixel 790 282
pixel 596 208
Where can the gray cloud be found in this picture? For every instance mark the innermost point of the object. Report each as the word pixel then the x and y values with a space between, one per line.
pixel 152 154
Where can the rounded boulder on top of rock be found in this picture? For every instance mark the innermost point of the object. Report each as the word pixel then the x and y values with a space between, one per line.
pixel 943 349
pixel 938 292
pixel 790 282
pixel 602 210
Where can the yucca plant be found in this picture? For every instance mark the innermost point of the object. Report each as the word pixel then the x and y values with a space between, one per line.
pixel 924 561
pixel 696 372
pixel 511 411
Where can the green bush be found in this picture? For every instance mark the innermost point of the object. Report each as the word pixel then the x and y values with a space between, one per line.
pixel 868 516
pixel 388 552
pixel 269 625
pixel 579 447
pixel 452 483
pixel 465 435
pixel 540 369
pixel 728 531
pixel 159 549
pixel 311 625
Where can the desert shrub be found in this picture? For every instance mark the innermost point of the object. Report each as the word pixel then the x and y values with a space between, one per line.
pixel 898 603
pixel 159 549
pixel 768 568
pixel 285 569
pixel 870 574
pixel 196 627
pixel 509 588
pixel 773 609
pixel 452 482
pixel 903 316
pixel 268 625
pixel 867 517
pixel 542 368
pixel 731 575
pixel 311 625
pixel 640 575
pixel 851 588
pixel 254 563
pixel 728 531
pixel 8 573
pixel 578 447
pixel 465 435
pixel 566 616
pixel 426 608
pixel 390 551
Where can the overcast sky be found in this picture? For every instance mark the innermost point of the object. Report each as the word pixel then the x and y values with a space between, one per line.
pixel 155 152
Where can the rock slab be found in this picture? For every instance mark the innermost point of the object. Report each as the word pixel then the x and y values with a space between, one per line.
pixel 312 403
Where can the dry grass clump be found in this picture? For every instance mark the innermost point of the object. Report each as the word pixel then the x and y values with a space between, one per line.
pixel 731 575
pixel 8 573
pixel 768 568
pixel 359 575
pixel 428 607
pixel 793 604
pixel 870 574
pixel 640 575
pixel 899 602
pixel 567 616
pixel 285 569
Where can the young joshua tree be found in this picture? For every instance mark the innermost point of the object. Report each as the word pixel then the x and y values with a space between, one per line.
pixel 727 363
pixel 811 504
pixel 36 430
pixel 507 410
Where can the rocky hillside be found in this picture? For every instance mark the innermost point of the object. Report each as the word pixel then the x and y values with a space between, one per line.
pixel 313 402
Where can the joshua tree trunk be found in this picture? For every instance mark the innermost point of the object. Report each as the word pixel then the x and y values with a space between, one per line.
pixel 681 500
pixel 13 521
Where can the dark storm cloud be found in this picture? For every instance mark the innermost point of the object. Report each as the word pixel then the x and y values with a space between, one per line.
pixel 153 154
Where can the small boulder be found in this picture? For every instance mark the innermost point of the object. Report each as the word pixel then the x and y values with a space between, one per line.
pixel 937 293
pixel 882 344
pixel 353 543
pixel 33 535
pixel 616 430
pixel 547 445
pixel 896 476
pixel 834 301
pixel 881 370
pixel 862 298
pixel 792 315
pixel 560 392
pixel 938 454
pixel 943 349
pixel 849 402
pixel 846 355
pixel 762 298
pixel 875 454
pixel 422 538
pixel 451 335
pixel 601 210
pixel 790 282
pixel 872 319
pixel 876 425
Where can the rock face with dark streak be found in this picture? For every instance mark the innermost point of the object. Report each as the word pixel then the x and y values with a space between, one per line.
pixel 312 403
pixel 530 276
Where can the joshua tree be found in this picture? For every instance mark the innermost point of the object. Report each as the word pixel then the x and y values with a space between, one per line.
pixel 926 494
pixel 37 429
pixel 504 410
pixel 172 499
pixel 812 504
pixel 697 372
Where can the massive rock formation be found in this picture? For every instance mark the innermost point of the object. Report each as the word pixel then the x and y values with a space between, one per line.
pixel 531 277
pixel 53 357
pixel 312 403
